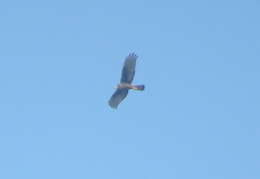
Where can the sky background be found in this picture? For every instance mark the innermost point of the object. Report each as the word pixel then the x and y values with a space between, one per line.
pixel 197 118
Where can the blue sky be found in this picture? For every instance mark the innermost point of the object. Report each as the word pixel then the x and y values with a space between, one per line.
pixel 198 117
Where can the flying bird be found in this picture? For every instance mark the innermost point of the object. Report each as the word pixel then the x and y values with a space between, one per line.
pixel 127 76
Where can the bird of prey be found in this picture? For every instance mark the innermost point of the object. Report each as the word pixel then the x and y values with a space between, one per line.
pixel 127 77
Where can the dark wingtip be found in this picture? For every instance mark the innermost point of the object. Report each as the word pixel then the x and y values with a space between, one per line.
pixel 112 105
pixel 133 55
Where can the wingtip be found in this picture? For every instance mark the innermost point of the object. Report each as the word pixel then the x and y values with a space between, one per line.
pixel 111 105
pixel 133 54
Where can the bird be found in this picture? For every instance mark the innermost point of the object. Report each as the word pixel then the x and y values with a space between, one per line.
pixel 127 76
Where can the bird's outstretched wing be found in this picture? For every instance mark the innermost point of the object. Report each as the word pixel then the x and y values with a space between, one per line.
pixel 128 71
pixel 117 97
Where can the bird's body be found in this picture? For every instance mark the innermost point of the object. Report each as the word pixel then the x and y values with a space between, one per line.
pixel 129 86
pixel 127 77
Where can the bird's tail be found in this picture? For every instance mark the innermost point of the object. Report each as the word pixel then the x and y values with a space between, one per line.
pixel 139 87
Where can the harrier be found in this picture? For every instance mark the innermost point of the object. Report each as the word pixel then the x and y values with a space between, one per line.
pixel 127 76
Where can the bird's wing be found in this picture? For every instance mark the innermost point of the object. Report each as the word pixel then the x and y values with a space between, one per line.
pixel 117 97
pixel 128 71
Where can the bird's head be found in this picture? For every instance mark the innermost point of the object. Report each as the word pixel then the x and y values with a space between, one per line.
pixel 117 86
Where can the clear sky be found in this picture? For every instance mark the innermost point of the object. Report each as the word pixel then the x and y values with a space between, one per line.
pixel 199 117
